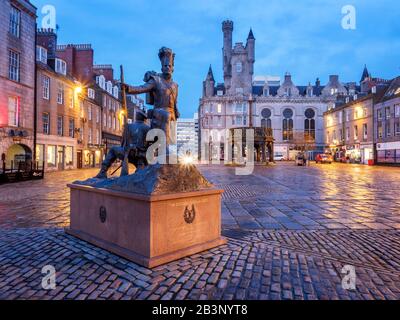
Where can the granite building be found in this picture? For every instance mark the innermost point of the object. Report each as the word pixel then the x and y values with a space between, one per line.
pixel 79 112
pixel 350 126
pixel 387 125
pixel 58 107
pixel 292 113
pixel 17 81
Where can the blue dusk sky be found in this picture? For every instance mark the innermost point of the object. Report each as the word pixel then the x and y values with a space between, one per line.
pixel 302 37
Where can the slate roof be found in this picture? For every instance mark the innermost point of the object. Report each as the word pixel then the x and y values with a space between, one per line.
pixel 393 91
pixel 273 90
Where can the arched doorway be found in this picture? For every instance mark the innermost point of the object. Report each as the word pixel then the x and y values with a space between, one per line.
pixel 18 154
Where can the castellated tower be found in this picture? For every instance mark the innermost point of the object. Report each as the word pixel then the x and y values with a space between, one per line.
pixel 238 62
pixel 227 29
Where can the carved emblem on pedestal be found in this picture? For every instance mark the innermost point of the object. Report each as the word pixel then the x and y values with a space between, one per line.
pixel 103 214
pixel 189 215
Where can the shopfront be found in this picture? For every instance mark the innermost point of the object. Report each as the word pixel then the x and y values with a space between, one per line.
pixel 353 154
pixel 388 153
pixel 367 153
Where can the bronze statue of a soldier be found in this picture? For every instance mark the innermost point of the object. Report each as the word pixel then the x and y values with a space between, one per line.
pixel 136 146
pixel 162 92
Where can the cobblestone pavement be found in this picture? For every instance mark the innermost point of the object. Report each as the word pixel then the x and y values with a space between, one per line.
pixel 291 230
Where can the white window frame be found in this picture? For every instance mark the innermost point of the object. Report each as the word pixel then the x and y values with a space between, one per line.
pixel 397 110
pixel 60 93
pixel 15 22
pixel 46 130
pixel 46 87
pixel 61 67
pixel 60 129
pixel 109 87
pixel 387 114
pixel 89 113
pixel 116 92
pixel 91 93
pixel 41 54
pixel 14 59
pixel 365 131
pixel 71 127
pixel 101 81
pixel 13 111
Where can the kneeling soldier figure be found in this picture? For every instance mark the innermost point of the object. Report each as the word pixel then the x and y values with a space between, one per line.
pixel 136 146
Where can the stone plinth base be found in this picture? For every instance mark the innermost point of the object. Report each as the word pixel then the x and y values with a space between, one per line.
pixel 148 230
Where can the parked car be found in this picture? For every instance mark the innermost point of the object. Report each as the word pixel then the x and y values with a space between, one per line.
pixel 279 157
pixel 323 158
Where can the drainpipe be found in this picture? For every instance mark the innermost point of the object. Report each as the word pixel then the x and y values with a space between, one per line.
pixel 35 99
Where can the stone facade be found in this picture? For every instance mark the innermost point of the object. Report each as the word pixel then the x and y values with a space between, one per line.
pixel 57 107
pixel 88 119
pixel 90 110
pixel 387 125
pixel 68 115
pixel 349 131
pixel 17 38
pixel 293 113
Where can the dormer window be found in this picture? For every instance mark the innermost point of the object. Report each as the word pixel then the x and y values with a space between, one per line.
pixel 115 92
pixel 309 92
pixel 266 92
pixel 91 93
pixel 61 67
pixel 239 67
pixel 41 54
pixel 109 87
pixel 288 92
pixel 101 81
pixel 334 91
pixel 220 93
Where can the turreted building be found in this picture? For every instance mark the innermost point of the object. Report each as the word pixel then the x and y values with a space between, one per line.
pixel 292 113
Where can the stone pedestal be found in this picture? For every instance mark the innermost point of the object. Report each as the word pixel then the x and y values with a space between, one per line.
pixel 148 229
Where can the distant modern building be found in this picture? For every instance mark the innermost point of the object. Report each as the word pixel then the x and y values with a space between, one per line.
pixel 187 136
pixel 387 125
pixel 292 114
pixel 17 81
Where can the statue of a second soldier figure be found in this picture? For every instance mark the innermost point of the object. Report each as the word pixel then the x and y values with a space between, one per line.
pixel 136 146
pixel 162 92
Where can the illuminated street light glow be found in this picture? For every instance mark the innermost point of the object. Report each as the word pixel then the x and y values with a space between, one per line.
pixel 187 160
pixel 78 90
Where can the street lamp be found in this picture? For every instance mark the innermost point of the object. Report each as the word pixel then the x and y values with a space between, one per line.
pixel 78 89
